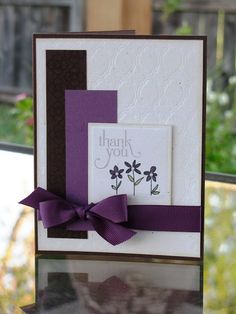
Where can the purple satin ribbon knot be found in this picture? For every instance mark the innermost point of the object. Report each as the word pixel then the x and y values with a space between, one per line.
pixel 82 211
pixel 104 217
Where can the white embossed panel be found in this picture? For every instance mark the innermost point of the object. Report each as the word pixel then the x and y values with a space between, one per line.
pixel 158 81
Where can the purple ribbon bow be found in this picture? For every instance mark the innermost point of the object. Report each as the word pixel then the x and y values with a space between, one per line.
pixel 104 217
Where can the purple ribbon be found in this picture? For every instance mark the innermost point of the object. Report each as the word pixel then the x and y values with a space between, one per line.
pixel 111 218
pixel 104 217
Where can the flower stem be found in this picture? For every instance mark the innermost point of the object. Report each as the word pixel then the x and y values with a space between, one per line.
pixel 116 186
pixel 133 184
pixel 151 187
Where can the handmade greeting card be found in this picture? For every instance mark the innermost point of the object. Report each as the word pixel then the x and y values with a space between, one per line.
pixel 119 157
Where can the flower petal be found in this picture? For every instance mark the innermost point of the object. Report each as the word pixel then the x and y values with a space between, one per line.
pixel 138 165
pixel 146 173
pixel 137 171
pixel 113 176
pixel 121 170
pixel 148 178
pixel 134 163
pixel 128 170
pixel 120 176
pixel 153 169
pixel 116 169
pixel 127 164
pixel 154 178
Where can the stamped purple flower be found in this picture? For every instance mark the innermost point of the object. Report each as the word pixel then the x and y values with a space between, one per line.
pixel 151 176
pixel 115 174
pixel 133 169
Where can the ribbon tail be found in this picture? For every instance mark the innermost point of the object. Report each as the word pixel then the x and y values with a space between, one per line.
pixel 37 196
pixel 110 231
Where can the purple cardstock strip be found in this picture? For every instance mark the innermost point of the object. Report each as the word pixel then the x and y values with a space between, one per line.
pixel 82 107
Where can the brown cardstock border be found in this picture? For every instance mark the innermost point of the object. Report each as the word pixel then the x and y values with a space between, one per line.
pixel 122 36
pixel 71 74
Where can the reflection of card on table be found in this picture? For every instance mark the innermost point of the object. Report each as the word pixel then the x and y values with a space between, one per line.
pixel 75 284
pixel 130 159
